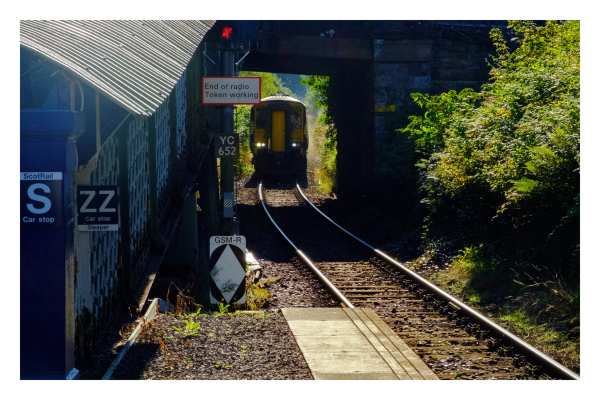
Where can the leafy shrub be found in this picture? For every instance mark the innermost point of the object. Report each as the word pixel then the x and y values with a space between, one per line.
pixel 324 133
pixel 512 151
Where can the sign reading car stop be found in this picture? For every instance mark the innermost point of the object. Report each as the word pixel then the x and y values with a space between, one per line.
pixel 227 268
pixel 97 208
pixel 41 199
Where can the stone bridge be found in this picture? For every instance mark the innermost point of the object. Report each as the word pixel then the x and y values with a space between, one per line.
pixel 372 63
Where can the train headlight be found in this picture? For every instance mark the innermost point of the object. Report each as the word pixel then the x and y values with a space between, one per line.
pixel 260 145
pixel 295 144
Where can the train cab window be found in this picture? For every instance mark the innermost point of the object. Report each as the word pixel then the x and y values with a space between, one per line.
pixel 296 118
pixel 261 118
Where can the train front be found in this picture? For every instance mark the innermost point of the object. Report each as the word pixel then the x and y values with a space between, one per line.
pixel 278 135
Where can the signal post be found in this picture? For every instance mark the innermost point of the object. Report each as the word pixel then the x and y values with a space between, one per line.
pixel 227 91
pixel 227 53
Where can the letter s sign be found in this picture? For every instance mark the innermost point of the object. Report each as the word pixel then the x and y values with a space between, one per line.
pixel 42 199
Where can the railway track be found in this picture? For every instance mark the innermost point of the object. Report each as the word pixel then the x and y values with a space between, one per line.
pixel 455 341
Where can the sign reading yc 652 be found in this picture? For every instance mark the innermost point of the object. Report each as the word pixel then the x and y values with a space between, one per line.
pixel 227 145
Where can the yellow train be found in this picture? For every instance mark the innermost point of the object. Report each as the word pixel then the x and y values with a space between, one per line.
pixel 278 135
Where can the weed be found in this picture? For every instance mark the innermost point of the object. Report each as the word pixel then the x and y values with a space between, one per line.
pixel 222 309
pixel 191 328
pixel 256 297
pixel 472 259
pixel 178 330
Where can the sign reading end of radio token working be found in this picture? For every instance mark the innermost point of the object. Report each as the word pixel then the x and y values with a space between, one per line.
pixel 230 90
pixel 227 268
pixel 97 208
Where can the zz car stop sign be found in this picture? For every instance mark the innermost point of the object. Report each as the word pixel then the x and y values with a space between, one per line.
pixel 97 208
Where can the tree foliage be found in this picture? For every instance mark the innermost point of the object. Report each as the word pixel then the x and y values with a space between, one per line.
pixel 324 133
pixel 513 148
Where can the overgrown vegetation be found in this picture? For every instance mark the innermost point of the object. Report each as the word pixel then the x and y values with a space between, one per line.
pixel 323 130
pixel 500 177
pixel 256 297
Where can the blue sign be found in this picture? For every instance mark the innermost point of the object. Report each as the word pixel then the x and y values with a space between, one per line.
pixel 41 199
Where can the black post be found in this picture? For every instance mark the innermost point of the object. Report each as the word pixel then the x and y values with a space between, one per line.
pixel 227 69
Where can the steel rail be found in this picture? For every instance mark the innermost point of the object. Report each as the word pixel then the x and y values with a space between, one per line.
pixel 525 348
pixel 330 286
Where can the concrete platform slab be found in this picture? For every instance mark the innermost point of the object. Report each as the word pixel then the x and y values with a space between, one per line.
pixel 309 314
pixel 348 344
pixel 324 328
pixel 346 362
pixel 353 376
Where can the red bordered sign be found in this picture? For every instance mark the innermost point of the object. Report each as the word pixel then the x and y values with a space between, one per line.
pixel 230 90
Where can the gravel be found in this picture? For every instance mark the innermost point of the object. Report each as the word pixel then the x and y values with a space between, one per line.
pixel 240 347
pixel 297 287
pixel 270 351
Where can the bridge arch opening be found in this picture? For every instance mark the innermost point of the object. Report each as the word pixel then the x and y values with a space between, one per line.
pixel 350 105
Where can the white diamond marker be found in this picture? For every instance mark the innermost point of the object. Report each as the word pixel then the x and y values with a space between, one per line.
pixel 228 274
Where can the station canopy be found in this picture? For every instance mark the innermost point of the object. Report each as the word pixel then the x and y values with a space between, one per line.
pixel 134 63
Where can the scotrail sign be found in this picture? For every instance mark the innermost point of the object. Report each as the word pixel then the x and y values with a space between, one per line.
pixel 230 90
pixel 41 199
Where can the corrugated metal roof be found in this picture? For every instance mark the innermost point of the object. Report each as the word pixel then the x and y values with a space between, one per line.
pixel 134 63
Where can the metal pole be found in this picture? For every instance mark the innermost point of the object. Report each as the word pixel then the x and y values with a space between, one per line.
pixel 227 69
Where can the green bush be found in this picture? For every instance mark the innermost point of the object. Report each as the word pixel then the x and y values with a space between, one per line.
pixel 324 133
pixel 512 151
